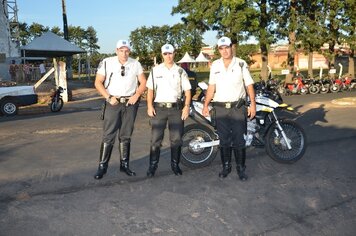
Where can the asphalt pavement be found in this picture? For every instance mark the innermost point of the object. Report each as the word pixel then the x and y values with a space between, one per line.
pixel 47 163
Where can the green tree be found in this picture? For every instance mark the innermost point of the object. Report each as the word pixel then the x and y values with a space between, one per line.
pixel 235 19
pixel 349 32
pixel 229 18
pixel 92 40
pixel 76 35
pixel 286 20
pixel 264 32
pixel 56 30
pixel 311 32
pixel 147 42
pixel 36 30
pixel 245 51
pixel 141 43
pixel 24 33
pixel 335 13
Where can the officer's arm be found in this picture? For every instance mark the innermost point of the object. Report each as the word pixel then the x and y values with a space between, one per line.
pixel 99 85
pixel 251 94
pixel 209 94
pixel 188 98
pixel 141 89
pixel 149 98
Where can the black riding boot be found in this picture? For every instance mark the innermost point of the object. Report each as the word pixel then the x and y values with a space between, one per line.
pixel 240 157
pixel 105 154
pixel 154 159
pixel 124 149
pixel 175 158
pixel 225 153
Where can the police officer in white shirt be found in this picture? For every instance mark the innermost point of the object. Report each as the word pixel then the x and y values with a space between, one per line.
pixel 121 81
pixel 228 82
pixel 166 84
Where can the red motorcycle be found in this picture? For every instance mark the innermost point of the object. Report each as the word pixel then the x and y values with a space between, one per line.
pixel 298 87
pixel 346 83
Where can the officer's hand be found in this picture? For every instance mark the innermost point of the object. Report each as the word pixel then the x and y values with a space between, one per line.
pixel 251 111
pixel 151 112
pixel 132 100
pixel 205 111
pixel 185 113
pixel 113 101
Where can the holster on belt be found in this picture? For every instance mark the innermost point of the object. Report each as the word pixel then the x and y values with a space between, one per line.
pixel 103 108
pixel 180 104
pixel 240 103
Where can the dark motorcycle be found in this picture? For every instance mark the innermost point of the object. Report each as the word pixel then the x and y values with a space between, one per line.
pixel 313 85
pixel 283 139
pixel 56 100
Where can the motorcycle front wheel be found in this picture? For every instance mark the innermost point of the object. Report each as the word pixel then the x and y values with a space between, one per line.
pixel 335 88
pixel 276 146
pixel 194 156
pixel 281 90
pixel 324 88
pixel 56 105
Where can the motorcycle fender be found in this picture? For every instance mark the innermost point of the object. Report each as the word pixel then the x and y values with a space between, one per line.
pixel 270 125
pixel 197 117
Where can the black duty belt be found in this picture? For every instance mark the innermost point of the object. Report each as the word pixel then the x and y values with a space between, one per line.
pixel 229 105
pixel 165 104
pixel 122 99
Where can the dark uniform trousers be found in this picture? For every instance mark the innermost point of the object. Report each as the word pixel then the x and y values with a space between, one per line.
pixel 119 118
pixel 231 126
pixel 158 123
pixel 175 126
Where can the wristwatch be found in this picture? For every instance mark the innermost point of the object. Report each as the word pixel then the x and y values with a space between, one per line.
pixel 109 98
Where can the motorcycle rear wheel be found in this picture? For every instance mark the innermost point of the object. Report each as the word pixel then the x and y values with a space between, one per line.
pixel 303 91
pixel 197 157
pixel 56 105
pixel 314 89
pixel 276 147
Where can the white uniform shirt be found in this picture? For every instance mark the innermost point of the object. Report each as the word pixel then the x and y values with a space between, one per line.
pixel 229 86
pixel 169 83
pixel 120 85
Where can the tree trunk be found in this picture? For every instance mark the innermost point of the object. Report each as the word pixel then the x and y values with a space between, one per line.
pixel 264 55
pixel 291 39
pixel 352 64
pixel 310 64
pixel 264 39
pixel 332 53
pixel 291 50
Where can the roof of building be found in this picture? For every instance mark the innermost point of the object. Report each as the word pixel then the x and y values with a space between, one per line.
pixel 50 45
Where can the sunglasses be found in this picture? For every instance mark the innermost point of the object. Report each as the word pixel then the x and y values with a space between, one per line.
pixel 122 70
pixel 167 53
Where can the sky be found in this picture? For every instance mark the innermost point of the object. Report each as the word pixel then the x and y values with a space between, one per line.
pixel 112 19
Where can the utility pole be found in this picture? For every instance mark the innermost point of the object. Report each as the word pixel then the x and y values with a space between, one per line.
pixel 66 37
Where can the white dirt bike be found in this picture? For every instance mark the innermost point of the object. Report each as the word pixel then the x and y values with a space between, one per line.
pixel 283 139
